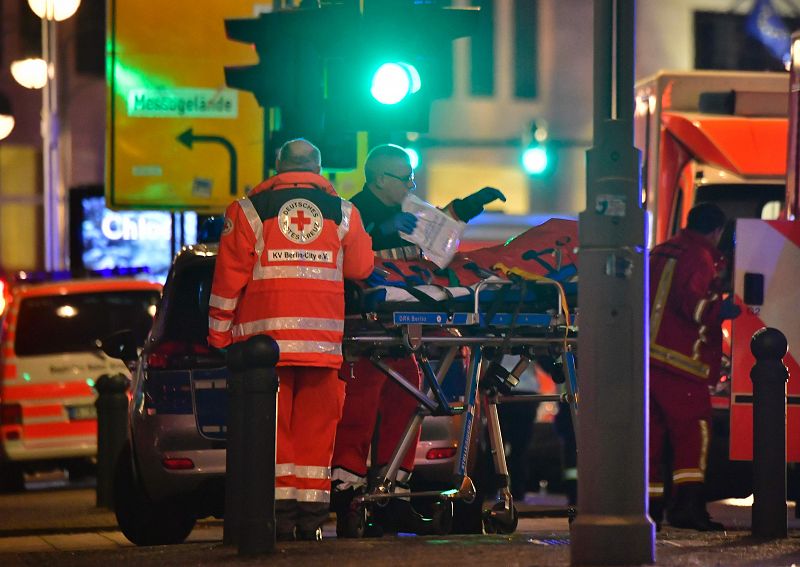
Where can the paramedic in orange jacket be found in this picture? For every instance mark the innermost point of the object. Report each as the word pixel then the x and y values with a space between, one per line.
pixel 389 179
pixel 686 314
pixel 284 252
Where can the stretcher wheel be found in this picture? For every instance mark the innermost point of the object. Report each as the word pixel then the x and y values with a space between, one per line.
pixel 442 518
pixel 499 520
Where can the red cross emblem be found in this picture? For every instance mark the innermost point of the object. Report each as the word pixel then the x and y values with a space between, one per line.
pixel 300 220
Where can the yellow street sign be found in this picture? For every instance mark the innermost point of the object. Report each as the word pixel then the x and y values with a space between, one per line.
pixel 177 137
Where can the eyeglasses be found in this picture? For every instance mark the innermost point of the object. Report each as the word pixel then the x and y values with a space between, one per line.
pixel 406 179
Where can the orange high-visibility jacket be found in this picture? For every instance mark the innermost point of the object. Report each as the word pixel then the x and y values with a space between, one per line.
pixel 284 253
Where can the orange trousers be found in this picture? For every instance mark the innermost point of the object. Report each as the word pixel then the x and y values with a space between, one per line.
pixel 370 392
pixel 310 404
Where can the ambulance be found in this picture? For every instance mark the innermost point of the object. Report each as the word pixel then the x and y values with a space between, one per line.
pixel 723 137
pixel 50 361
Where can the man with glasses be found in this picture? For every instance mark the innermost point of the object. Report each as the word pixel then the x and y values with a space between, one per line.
pixel 389 179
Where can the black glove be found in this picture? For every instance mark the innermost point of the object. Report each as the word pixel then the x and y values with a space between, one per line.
pixel 729 310
pixel 471 206
pixel 486 195
pixel 401 222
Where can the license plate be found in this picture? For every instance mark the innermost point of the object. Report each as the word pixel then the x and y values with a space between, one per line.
pixel 77 413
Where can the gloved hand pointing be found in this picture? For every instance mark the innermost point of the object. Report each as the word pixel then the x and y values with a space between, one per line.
pixel 487 195
pixel 470 207
pixel 729 310
pixel 401 222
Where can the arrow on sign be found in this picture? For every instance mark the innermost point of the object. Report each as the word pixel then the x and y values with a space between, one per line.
pixel 188 138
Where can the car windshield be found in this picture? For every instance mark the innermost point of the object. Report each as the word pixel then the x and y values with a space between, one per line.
pixel 73 322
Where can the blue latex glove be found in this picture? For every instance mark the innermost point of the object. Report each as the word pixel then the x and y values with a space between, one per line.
pixel 401 222
pixel 729 310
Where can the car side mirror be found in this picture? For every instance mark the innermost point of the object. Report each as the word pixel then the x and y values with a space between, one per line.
pixel 121 345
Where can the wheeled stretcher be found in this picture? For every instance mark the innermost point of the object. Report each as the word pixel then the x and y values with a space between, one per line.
pixel 494 319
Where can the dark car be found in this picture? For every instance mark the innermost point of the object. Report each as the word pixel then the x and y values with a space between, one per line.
pixel 172 471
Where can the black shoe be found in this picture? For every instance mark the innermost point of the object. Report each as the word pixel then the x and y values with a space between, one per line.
pixel 693 519
pixel 309 535
pixel 689 510
pixel 699 521
pixel 341 501
pixel 348 524
pixel 285 536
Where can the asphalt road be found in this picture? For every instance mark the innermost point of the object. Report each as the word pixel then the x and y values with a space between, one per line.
pixel 58 524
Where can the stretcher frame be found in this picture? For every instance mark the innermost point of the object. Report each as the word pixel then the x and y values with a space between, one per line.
pixel 519 333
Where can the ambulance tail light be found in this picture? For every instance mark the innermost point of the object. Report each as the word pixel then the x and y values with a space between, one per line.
pixel 10 414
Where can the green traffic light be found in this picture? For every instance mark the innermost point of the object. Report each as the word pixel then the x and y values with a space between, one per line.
pixel 535 160
pixel 393 82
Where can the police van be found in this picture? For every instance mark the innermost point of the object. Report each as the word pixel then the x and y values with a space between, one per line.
pixel 50 360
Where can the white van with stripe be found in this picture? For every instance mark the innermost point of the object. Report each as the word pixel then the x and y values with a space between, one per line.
pixel 49 362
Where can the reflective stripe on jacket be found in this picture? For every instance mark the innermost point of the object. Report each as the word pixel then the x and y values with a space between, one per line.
pixel 284 252
pixel 684 306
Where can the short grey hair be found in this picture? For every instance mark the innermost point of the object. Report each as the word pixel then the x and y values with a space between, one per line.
pixel 380 156
pixel 299 155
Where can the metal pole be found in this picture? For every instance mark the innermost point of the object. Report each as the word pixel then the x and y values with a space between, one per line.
pixel 52 236
pixel 112 432
pixel 259 423
pixel 612 527
pixel 769 376
pixel 233 445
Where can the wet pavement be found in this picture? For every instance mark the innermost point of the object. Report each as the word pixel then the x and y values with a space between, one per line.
pixel 60 525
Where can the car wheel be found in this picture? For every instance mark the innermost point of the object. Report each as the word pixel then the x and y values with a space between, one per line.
pixel 141 520
pixel 12 477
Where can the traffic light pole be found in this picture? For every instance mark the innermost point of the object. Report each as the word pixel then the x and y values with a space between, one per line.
pixel 612 527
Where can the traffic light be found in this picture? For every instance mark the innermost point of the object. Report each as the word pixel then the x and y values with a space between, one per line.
pixel 289 78
pixel 394 81
pixel 398 62
pixel 536 157
pixel 289 74
pixel 332 71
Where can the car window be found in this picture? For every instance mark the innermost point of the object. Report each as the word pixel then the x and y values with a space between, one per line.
pixel 185 304
pixel 72 323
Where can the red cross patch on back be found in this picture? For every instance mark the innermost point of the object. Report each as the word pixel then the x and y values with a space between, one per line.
pixel 300 221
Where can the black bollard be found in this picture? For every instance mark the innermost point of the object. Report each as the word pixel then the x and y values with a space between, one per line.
pixel 112 432
pixel 233 445
pixel 769 376
pixel 256 522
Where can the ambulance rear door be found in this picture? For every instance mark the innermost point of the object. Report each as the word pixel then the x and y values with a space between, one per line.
pixel 767 262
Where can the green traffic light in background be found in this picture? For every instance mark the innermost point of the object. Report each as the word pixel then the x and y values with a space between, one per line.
pixel 393 82
pixel 535 160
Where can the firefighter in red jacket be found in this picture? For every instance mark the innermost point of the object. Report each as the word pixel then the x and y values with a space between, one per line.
pixel 389 178
pixel 686 314
pixel 284 252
